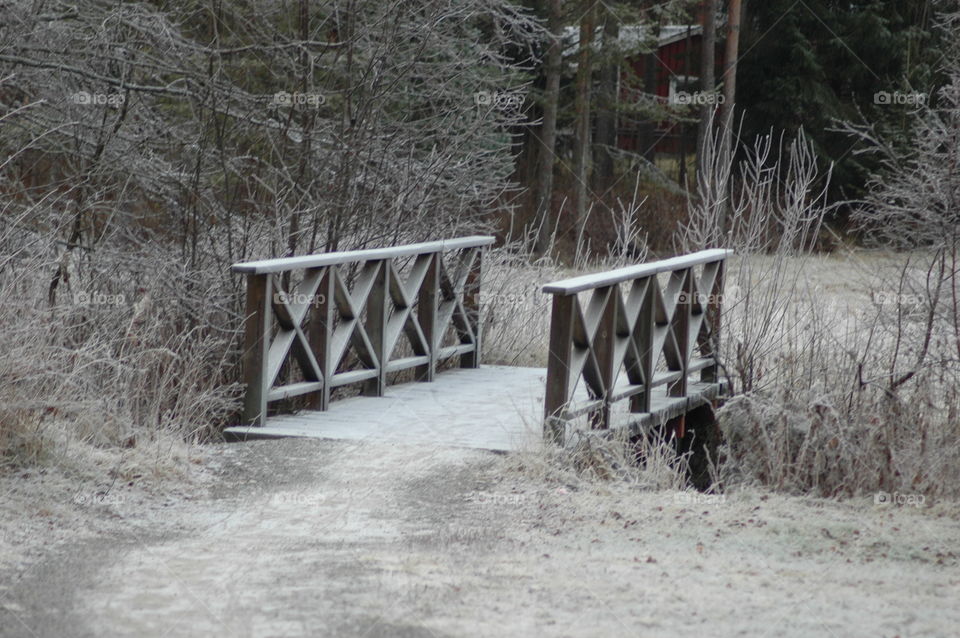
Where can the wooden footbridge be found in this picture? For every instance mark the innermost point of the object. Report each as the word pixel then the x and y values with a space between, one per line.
pixel 386 344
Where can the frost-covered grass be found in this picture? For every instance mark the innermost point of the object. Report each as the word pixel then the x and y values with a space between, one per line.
pixel 115 369
pixel 811 344
pixel 849 385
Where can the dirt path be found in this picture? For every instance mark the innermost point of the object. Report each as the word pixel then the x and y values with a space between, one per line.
pixel 321 538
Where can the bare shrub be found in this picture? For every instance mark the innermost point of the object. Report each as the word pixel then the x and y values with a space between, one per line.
pixel 846 368
pixel 144 153
pixel 517 313
pixel 590 458
pixel 125 363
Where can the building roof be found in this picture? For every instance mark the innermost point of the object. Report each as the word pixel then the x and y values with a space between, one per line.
pixel 633 35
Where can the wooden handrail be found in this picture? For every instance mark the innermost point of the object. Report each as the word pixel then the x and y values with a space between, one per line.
pixel 619 332
pixel 322 318
pixel 284 264
pixel 586 282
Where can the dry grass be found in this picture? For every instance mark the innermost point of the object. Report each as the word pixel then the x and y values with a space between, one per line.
pixel 122 366
pixel 819 410
pixel 590 459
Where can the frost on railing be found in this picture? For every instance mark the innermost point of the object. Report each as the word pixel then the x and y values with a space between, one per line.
pixel 318 322
pixel 630 334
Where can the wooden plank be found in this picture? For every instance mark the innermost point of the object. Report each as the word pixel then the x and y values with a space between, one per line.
pixel 256 348
pixel 710 338
pixel 700 363
pixel 427 309
pixel 293 390
pixel 353 376
pixel 320 330
pixel 681 332
pixel 643 335
pixel 663 378
pixel 626 392
pixel 559 361
pixel 332 259
pixel 572 411
pixel 471 308
pixel 451 351
pixel 587 282
pixel 405 363
pixel 604 344
pixel 376 327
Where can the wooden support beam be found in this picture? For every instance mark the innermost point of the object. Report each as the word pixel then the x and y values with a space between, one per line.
pixel 428 305
pixel 643 334
pixel 320 330
pixel 681 331
pixel 559 360
pixel 711 331
pixel 471 306
pixel 376 326
pixel 604 344
pixel 256 348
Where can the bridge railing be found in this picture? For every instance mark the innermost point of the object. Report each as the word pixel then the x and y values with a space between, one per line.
pixel 631 324
pixel 341 317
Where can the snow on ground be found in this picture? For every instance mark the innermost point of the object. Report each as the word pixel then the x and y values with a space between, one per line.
pixel 338 538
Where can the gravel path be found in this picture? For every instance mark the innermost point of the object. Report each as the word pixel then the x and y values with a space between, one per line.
pixel 335 538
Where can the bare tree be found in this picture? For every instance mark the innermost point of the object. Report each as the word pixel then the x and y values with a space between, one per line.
pixel 707 81
pixel 582 106
pixel 606 133
pixel 548 132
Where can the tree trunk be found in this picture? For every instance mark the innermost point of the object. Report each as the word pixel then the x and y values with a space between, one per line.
pixel 648 129
pixel 582 105
pixel 606 137
pixel 707 80
pixel 729 88
pixel 682 175
pixel 548 134
pixel 730 73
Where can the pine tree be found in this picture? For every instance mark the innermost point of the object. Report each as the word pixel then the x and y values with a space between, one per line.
pixel 815 63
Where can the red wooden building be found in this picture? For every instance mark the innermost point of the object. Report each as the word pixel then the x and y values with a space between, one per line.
pixel 672 69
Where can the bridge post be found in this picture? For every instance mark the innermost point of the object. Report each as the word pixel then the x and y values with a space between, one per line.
pixel 643 331
pixel 376 327
pixel 558 366
pixel 256 347
pixel 428 306
pixel 711 374
pixel 321 333
pixel 681 332
pixel 471 306
pixel 605 345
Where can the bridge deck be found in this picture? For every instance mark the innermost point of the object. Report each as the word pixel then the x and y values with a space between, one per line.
pixel 492 407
